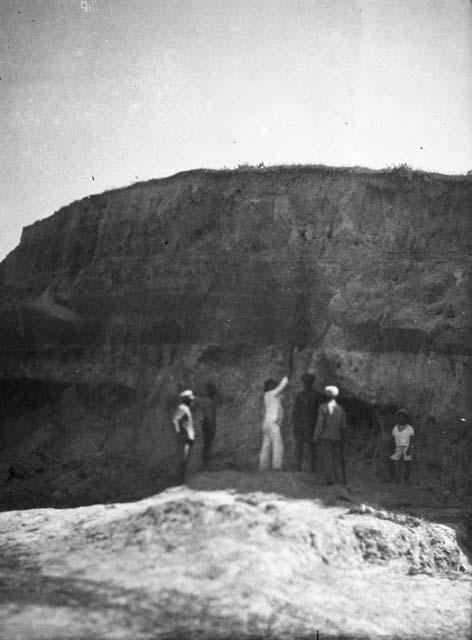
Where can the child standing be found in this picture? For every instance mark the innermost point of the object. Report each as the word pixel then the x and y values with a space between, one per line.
pixel 403 436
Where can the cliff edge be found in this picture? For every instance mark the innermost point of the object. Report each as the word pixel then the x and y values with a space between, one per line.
pixel 117 301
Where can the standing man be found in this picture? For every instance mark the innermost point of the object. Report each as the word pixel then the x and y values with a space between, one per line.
pixel 330 425
pixel 207 406
pixel 183 425
pixel 272 450
pixel 304 415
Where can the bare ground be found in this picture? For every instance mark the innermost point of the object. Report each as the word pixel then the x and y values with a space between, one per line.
pixel 233 556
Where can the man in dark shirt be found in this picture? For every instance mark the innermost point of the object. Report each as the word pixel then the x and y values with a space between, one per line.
pixel 207 406
pixel 304 414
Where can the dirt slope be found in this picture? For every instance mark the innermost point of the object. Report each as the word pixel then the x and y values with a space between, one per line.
pixel 223 564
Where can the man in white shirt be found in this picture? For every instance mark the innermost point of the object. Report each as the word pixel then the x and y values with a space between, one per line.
pixel 272 450
pixel 183 425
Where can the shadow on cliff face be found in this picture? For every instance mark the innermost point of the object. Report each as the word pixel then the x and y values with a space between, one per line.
pixel 369 438
pixel 68 445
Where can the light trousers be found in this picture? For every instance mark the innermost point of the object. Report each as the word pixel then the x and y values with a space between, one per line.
pixel 272 451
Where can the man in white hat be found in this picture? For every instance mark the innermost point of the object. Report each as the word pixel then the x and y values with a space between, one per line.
pixel 329 429
pixel 183 425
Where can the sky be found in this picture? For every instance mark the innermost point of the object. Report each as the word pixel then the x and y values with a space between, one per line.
pixel 97 94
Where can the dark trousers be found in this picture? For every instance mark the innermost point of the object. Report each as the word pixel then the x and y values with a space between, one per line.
pixel 400 470
pixel 300 443
pixel 184 447
pixel 208 431
pixel 330 460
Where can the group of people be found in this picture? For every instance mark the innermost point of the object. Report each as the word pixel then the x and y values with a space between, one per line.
pixel 318 422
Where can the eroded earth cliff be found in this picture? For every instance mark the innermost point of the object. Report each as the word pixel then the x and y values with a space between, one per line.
pixel 116 302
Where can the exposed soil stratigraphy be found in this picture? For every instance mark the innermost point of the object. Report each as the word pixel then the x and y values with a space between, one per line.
pixel 116 302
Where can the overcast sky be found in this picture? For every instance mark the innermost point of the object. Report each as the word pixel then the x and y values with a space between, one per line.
pixel 96 94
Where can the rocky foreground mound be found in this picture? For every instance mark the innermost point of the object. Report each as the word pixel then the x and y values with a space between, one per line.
pixel 222 564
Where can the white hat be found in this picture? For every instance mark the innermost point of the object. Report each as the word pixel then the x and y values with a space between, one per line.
pixel 188 393
pixel 332 391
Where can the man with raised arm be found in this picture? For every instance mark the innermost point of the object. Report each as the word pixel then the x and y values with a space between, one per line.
pixel 272 450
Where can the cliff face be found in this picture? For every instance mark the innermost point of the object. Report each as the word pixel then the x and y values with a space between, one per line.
pixel 115 302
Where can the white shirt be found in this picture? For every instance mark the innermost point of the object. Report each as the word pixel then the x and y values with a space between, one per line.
pixel 273 403
pixel 183 418
pixel 402 438
pixel 331 404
